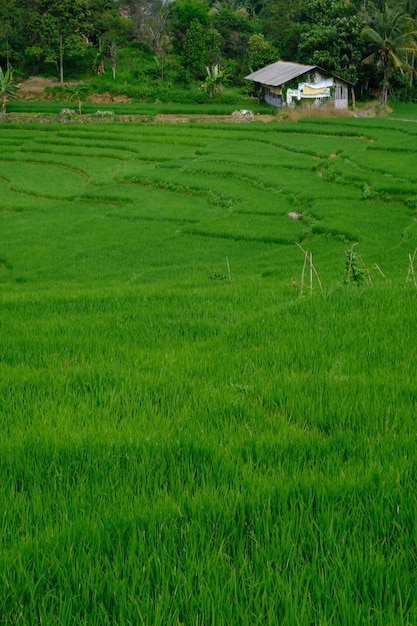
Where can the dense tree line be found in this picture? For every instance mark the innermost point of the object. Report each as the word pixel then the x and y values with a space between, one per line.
pixel 371 43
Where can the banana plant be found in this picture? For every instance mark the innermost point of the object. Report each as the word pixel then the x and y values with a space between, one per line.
pixel 7 88
pixel 215 78
pixel 78 92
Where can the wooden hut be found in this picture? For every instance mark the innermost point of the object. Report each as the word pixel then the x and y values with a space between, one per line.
pixel 284 84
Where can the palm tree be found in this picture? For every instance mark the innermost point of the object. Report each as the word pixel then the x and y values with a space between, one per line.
pixel 7 88
pixel 392 34
pixel 411 9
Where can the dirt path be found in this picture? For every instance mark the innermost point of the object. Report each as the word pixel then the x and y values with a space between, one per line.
pixel 185 119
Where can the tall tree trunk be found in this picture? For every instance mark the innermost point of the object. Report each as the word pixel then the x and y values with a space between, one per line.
pixel 113 58
pixel 61 61
pixel 384 94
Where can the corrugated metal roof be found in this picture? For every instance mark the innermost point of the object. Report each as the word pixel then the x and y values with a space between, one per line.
pixel 279 73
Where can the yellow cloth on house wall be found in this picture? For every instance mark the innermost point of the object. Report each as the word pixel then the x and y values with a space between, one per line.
pixel 310 90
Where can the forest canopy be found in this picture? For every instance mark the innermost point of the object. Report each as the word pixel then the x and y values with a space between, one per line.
pixel 180 42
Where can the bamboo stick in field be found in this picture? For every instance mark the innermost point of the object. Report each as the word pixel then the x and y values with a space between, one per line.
pixel 303 272
pixel 318 278
pixel 365 269
pixel 350 267
pixel 411 268
pixel 376 266
pixel 228 268
pixel 304 267
pixel 311 273
pixel 312 269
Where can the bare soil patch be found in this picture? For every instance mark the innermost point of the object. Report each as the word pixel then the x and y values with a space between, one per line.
pixel 107 98
pixel 36 84
pixel 34 88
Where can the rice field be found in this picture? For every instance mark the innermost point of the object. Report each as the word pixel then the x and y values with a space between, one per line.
pixel 202 424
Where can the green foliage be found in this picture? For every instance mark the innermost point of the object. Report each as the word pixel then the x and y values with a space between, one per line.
pixel 59 30
pixel 78 92
pixel 280 19
pixel 186 36
pixel 391 33
pixel 11 18
pixel 105 23
pixel 333 38
pixel 235 29
pixel 354 270
pixel 7 88
pixel 261 53
pixel 213 83
pixel 184 13
pixel 201 48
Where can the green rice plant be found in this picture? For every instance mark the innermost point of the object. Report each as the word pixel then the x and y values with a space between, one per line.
pixel 178 449
pixel 141 104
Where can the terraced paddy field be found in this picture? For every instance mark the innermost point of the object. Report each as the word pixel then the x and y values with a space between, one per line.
pixel 203 422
